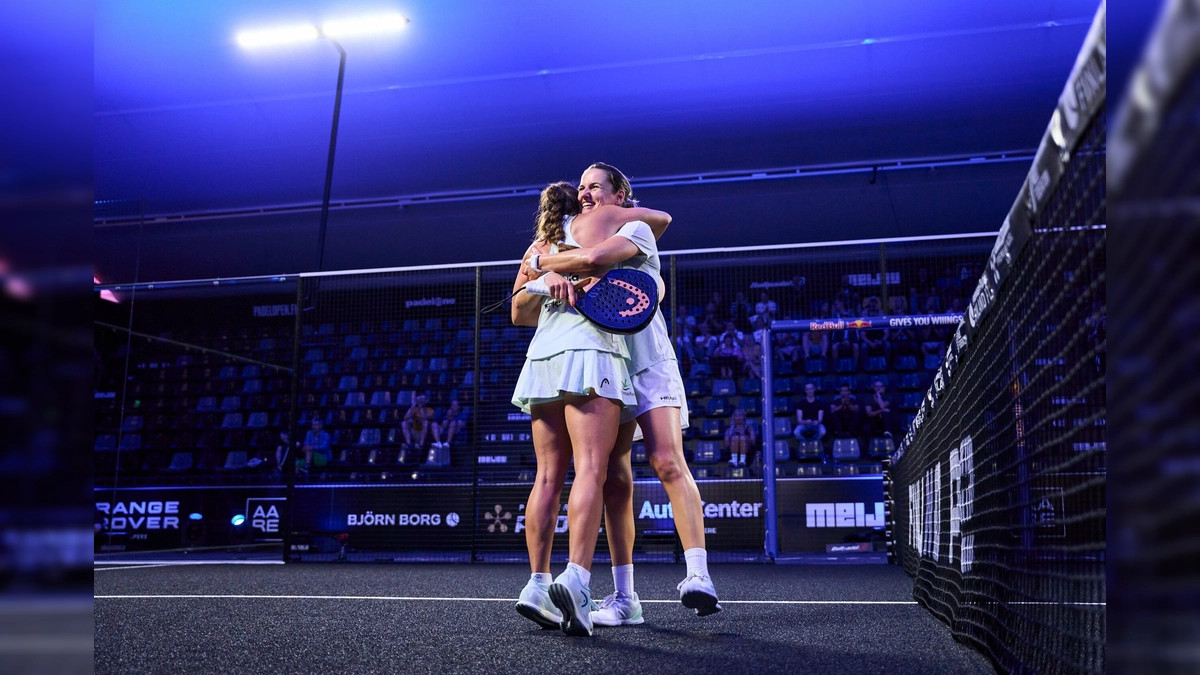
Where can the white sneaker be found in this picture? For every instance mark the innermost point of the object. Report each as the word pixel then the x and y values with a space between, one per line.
pixel 574 600
pixel 534 604
pixel 697 592
pixel 618 609
pixel 733 461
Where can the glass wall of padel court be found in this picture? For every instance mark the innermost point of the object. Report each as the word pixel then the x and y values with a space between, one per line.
pixel 366 415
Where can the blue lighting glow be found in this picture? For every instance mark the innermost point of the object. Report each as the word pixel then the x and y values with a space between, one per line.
pixel 238 520
pixel 196 516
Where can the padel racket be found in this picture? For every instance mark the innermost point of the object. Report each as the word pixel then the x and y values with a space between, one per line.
pixel 620 301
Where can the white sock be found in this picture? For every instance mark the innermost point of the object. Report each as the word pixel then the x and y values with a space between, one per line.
pixel 584 575
pixel 697 561
pixel 623 579
pixel 542 579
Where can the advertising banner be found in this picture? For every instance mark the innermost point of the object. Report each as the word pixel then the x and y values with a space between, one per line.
pixel 149 519
pixel 819 515
pixel 383 517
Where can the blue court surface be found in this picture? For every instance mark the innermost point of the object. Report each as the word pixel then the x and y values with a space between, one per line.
pixel 449 618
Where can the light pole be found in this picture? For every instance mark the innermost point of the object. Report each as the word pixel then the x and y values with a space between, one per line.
pixel 330 30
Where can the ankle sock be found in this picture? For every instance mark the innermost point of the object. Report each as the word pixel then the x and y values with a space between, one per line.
pixel 542 579
pixel 623 579
pixel 697 561
pixel 584 575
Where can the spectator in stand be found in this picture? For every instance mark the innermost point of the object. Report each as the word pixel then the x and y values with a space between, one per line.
pixel 788 348
pixel 714 322
pixel 740 311
pixel 752 362
pixel 740 439
pixel 416 426
pixel 282 449
pixel 718 307
pixel 685 339
pixel 766 308
pixel 879 411
pixel 815 344
pixel 922 289
pixel 760 327
pixel 843 414
pixel 727 358
pixel 810 416
pixel 875 341
pixel 930 305
pixel 317 447
pixel 931 342
pixel 705 343
pixel 903 338
pixel 454 421
pixel 796 301
pixel 731 329
pixel 845 342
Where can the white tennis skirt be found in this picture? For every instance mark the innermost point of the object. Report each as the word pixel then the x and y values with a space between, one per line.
pixel 577 371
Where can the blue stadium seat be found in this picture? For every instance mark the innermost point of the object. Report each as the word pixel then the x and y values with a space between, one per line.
pixel 907 362
pixel 910 381
pixel 369 437
pixel 723 388
pixel 911 400
pixel 180 461
pixel 105 443
pixel 352 340
pixel 846 470
pixel 845 449
pixel 355 399
pixel 207 403
pixel 782 426
pixel 881 447
pixel 438 364
pixel 781 405
pixel 783 385
pixel 251 370
pixel 252 386
pixel 707 452
pixel 692 388
pixel 414 365
pixel 131 442
pixel 808 471
pixel 783 452
pixel 348 382
pixel 318 368
pixel 782 368
pixel 231 403
pixel 718 407
pixel 359 354
pixel 810 449
pixel 228 372
pixel 258 420
pixel 232 420
pixel 751 404
pixel 711 428
pixel 381 399
pixel 932 361
pixel 815 365
pixel 132 423
pixel 750 386
pixel 235 461
pixel 845 364
pixel 876 364
pixel 638 453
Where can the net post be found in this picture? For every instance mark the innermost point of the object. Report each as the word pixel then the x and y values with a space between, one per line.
pixel 770 524
pixel 293 425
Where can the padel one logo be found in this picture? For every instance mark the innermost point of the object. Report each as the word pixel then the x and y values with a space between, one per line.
pixel 843 514
pixel 497 519
pixel 560 524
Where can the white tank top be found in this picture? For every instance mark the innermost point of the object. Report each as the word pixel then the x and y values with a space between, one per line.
pixel 560 328
pixel 652 344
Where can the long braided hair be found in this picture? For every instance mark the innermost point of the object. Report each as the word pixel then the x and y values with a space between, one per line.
pixel 558 201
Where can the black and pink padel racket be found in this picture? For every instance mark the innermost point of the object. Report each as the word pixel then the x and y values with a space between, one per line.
pixel 619 301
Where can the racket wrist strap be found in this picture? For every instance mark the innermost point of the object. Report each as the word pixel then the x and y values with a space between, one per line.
pixel 537 287
pixel 533 262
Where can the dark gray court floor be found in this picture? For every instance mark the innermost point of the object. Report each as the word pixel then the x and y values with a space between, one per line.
pixel 445 618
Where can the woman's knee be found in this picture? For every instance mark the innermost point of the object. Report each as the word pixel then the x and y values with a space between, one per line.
pixel 669 467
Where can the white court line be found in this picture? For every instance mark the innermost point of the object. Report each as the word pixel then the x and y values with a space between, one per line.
pixel 180 563
pixel 46 644
pixel 141 566
pixel 419 599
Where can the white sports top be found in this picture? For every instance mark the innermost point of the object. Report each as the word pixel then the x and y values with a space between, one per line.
pixel 560 328
pixel 652 344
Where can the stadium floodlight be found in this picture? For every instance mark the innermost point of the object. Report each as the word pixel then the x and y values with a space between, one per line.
pixel 365 25
pixel 281 35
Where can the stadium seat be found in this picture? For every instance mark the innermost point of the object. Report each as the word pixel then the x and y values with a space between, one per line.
pixel 910 381
pixel 845 449
pixel 911 400
pixel 810 449
pixel 257 420
pixel 355 399
pixel 235 461
pixel 414 365
pixel 131 442
pixel 906 362
pixel 751 404
pixel 814 365
pixel 232 420
pixel 377 457
pixel 318 368
pixel 369 437
pixel 718 407
pixel 847 380
pixel 783 385
pixel 876 364
pixel 750 386
pixel 359 354
pixel 228 372
pixel 251 370
pixel 781 405
pixel 782 426
pixel 381 399
pixel 231 403
pixel 638 453
pixel 252 386
pixel 723 388
pixel 881 447
pixel 132 423
pixel 439 364
pixel 808 471
pixel 782 368
pixel 932 361
pixel 711 428
pixel 707 452
pixel 845 364
pixel 692 388
pixel 105 443
pixel 348 382
pixel 207 403
pixel 438 456
pixel 783 452
pixel 180 461
pixel 846 470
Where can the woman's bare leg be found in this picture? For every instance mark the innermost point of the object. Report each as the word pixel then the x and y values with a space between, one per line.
pixel 592 422
pixel 664 448
pixel 618 499
pixel 552 446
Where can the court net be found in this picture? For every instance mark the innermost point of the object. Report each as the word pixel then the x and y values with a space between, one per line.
pixel 999 486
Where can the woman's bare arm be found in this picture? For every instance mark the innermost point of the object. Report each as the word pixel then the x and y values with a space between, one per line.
pixel 525 307
pixel 616 216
